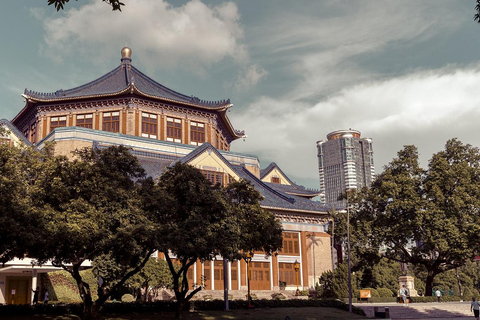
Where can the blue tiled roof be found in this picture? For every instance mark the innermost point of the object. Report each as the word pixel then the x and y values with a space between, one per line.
pixel 273 197
pixel 122 78
pixel 277 199
pixel 15 131
pixel 293 189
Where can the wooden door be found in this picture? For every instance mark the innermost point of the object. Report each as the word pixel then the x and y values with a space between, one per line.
pixel 260 276
pixel 18 290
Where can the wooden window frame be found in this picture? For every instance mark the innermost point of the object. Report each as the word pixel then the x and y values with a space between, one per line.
pixel 111 121
pixel 214 176
pixel 174 130
pixel 197 133
pixel 58 122
pixel 276 180
pixel 291 244
pixel 84 120
pixel 149 125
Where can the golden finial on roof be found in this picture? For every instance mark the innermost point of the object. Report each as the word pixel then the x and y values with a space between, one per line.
pixel 126 53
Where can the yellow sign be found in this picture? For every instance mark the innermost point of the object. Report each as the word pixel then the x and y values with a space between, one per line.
pixel 365 294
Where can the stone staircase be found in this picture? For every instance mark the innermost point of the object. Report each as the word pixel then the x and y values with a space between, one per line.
pixel 446 310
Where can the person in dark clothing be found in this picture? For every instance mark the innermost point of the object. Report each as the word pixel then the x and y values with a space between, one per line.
pixel 35 295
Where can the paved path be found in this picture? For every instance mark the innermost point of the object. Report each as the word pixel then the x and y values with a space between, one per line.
pixel 415 311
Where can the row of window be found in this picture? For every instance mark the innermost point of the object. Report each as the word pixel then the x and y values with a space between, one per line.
pixel 111 123
pixel 259 272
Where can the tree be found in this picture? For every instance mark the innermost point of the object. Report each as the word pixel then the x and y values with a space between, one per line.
pixel 92 210
pixel 154 276
pixel 199 221
pixel 476 17
pixel 60 4
pixel 19 222
pixel 424 217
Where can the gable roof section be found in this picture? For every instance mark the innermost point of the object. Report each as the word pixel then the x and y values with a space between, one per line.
pixel 293 188
pixel 275 199
pixel 7 124
pixel 214 154
pixel 272 166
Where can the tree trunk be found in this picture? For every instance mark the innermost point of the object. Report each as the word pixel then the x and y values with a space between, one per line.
pixel 429 283
pixel 460 288
pixel 180 304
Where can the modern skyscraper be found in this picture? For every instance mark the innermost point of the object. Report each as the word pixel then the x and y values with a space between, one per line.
pixel 345 161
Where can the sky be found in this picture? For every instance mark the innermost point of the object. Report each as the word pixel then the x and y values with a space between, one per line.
pixel 400 72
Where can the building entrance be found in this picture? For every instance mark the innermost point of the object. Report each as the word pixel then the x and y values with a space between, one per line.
pixel 18 290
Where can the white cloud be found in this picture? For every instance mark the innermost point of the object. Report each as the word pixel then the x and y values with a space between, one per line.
pixel 322 47
pixel 161 35
pixel 424 108
pixel 249 77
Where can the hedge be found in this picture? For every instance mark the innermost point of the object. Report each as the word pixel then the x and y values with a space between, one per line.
pixel 168 306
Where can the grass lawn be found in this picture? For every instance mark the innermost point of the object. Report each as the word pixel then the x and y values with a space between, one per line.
pixel 305 313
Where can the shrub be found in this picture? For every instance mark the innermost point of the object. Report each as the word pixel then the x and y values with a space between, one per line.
pixel 128 298
pixel 385 292
pixel 278 296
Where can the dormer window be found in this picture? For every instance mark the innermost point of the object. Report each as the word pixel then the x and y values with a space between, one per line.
pixel 275 180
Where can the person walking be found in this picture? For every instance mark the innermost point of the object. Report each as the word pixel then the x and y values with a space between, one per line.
pixel 45 298
pixel 474 306
pixel 404 295
pixel 438 294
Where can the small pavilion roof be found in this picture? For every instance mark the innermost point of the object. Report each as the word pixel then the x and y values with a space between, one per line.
pixel 15 131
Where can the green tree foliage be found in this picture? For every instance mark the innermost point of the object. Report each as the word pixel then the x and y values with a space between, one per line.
pixel 20 223
pixel 92 210
pixel 154 276
pixel 436 209
pixel 60 4
pixel 334 284
pixel 198 221
pixel 476 17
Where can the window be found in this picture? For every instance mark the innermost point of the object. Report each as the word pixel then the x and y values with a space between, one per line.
pixel 197 133
pixel 290 244
pixel 213 176
pixel 275 180
pixel 149 125
pixel 286 273
pixel 33 132
pixel 57 122
pixel 85 121
pixel 174 130
pixel 111 121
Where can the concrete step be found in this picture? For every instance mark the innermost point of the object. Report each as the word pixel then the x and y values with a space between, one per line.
pixel 420 310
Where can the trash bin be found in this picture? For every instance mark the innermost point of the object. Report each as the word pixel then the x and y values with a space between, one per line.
pixel 383 314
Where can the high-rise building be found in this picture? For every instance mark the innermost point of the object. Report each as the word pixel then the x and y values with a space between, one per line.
pixel 345 161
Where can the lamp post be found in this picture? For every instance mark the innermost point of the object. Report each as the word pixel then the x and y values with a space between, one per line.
pixel 296 266
pixel 349 256
pixel 248 259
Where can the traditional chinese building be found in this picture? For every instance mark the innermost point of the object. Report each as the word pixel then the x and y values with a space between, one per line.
pixel 162 126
